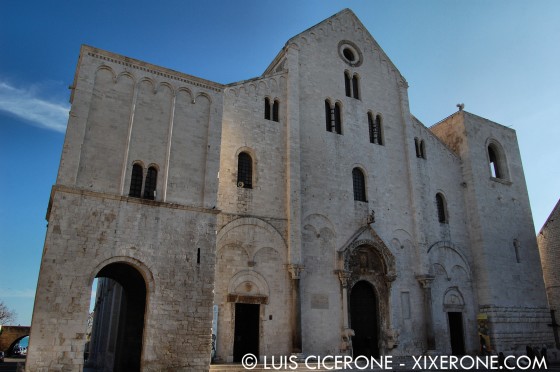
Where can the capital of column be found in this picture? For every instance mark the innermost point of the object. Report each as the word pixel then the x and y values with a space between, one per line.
pixel 425 280
pixel 344 277
pixel 295 270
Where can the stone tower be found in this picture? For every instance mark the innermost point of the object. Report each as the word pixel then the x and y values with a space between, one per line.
pixel 134 202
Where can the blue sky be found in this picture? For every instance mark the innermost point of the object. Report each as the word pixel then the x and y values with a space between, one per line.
pixel 501 58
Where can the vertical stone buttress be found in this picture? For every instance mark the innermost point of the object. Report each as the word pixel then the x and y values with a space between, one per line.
pixel 415 200
pixel 293 207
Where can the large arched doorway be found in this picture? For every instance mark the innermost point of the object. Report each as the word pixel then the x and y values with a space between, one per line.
pixel 118 319
pixel 364 320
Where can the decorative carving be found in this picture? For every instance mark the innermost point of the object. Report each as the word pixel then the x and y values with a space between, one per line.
pixel 295 270
pixel 343 276
pixel 371 217
pixel 425 280
pixel 346 345
pixel 382 260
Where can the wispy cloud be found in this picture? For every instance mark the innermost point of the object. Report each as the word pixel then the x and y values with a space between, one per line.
pixel 21 293
pixel 25 104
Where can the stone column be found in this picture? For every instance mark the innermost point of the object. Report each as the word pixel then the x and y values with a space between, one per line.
pixel 295 271
pixel 344 276
pixel 347 333
pixel 426 281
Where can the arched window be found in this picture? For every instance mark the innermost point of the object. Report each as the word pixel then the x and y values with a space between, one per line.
pixel 347 84
pixel 372 130
pixel 441 208
pixel 359 183
pixel 355 88
pixel 136 180
pixel 351 85
pixel 245 171
pixel 337 119
pixel 495 166
pixel 267 108
pixel 328 116
pixel 151 182
pixel 275 108
pixel 378 131
pixel 422 149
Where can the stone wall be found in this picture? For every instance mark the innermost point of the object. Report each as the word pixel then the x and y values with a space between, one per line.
pixel 549 247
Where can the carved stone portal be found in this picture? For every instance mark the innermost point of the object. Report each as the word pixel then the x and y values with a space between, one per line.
pixel 370 261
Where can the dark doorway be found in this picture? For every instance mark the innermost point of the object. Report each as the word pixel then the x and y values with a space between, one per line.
pixel 456 333
pixel 118 320
pixel 246 340
pixel 363 320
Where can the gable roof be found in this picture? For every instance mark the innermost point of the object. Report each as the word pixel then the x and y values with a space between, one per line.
pixel 339 15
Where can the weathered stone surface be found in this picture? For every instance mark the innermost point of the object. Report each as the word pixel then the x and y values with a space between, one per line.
pixel 296 242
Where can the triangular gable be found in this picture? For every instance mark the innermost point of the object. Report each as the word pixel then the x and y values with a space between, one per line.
pixel 344 17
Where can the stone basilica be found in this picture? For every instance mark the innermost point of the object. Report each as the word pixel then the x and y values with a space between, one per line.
pixel 304 211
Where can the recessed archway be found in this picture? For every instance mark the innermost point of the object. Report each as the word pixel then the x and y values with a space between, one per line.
pixel 118 319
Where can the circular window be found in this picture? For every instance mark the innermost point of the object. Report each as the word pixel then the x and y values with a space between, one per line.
pixel 347 52
pixel 350 53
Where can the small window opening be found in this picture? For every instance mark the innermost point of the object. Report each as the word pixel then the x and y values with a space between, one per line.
pixel 337 119
pixel 494 165
pixel 516 247
pixel 198 256
pixel 333 119
pixel 420 148
pixel 267 108
pixel 136 181
pixel 441 208
pixel 275 109
pixel 151 182
pixel 245 171
pixel 348 54
pixel 359 184
pixel 328 116
pixel 355 87
pixel 347 85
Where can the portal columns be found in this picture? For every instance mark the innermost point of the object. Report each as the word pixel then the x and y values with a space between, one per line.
pixel 295 272
pixel 426 282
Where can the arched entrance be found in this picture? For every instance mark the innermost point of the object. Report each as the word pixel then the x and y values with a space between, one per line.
pixel 364 320
pixel 16 348
pixel 366 271
pixel 118 319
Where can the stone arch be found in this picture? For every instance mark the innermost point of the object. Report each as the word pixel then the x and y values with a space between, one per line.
pixel 440 270
pixel 252 89
pixel 376 246
pixel 437 253
pixel 260 288
pixel 165 84
pixel 126 74
pixel 319 221
pixel 148 80
pixel 268 233
pixel 117 343
pixel 453 300
pixel 144 270
pixel 371 261
pixel 185 91
pixel 108 69
pixel 204 95
pixel 10 350
pixel 500 163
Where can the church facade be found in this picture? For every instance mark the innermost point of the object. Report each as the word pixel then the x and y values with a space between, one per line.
pixel 305 211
